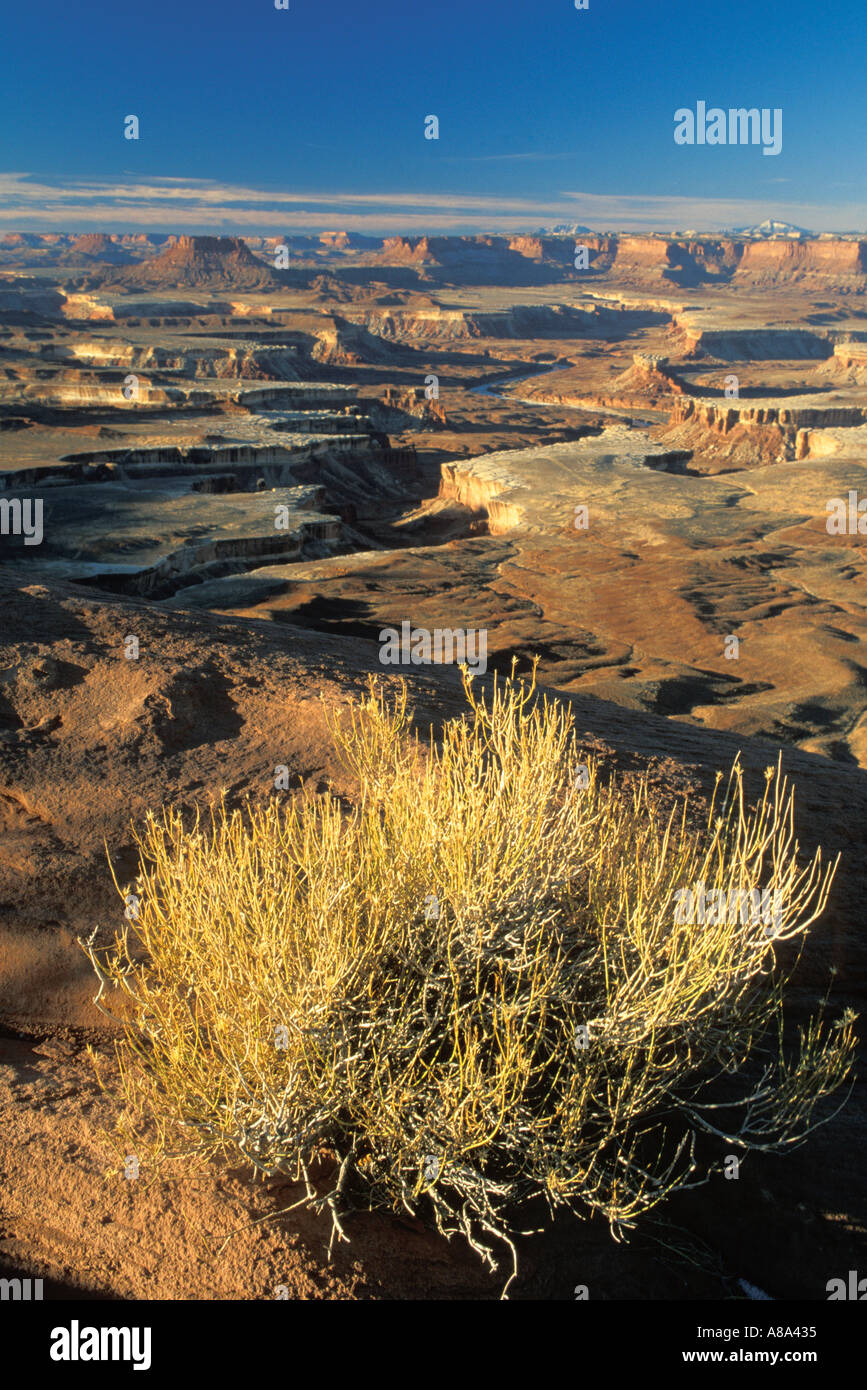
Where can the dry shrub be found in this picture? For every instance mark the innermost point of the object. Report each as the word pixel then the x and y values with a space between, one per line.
pixel 472 988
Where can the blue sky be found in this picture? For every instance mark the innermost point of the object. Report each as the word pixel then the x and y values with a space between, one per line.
pixel 261 120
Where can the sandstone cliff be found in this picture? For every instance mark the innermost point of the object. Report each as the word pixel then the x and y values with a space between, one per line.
pixel 782 259
pixel 724 417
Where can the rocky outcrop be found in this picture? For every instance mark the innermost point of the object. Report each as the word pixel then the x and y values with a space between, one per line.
pixel 650 258
pixel 97 246
pixel 649 379
pixel 550 249
pixel 74 395
pixel 848 363
pixel 519 321
pixel 69 248
pixel 93 306
pixel 486 259
pixel 750 344
pixel 338 342
pixel 694 261
pixel 682 262
pixel 480 494
pixel 641 252
pixel 139 461
pixel 250 361
pixel 197 562
pixel 87 308
pixel 201 261
pixel 29 297
pixel 403 408
pixel 726 436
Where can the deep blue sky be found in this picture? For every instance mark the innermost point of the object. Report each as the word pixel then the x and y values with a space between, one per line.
pixel 330 96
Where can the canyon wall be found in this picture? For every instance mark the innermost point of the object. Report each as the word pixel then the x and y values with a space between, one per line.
pixel 480 494
pixel 152 261
pixel 722 418
pixel 784 259
pixel 751 344
pixel 653 259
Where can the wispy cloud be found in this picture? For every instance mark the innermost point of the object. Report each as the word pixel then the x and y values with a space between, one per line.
pixel 30 203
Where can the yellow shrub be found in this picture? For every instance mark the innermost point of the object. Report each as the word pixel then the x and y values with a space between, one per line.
pixel 473 988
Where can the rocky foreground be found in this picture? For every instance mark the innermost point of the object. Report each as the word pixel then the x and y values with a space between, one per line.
pixel 90 739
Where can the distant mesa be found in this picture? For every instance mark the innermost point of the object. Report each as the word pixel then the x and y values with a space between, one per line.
pixel 344 267
pixel 481 259
pixel 320 247
pixel 96 244
pixel 104 249
pixel 348 241
pixel 206 262
pixel 70 248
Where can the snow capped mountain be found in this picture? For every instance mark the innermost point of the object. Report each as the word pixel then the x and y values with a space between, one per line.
pixel 565 229
pixel 771 228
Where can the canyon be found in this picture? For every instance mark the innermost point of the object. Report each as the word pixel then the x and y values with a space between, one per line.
pixel 433 472
pixel 622 473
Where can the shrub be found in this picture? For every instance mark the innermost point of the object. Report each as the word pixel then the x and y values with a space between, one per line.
pixel 473 988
